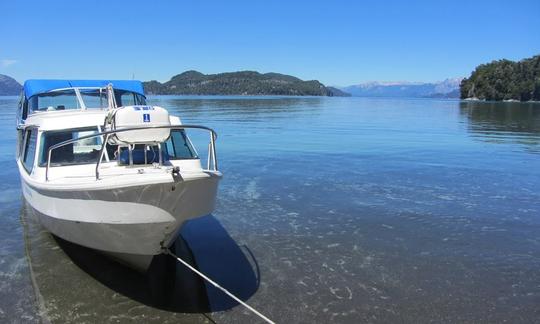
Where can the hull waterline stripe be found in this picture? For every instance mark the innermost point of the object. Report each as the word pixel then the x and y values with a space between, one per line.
pixel 200 274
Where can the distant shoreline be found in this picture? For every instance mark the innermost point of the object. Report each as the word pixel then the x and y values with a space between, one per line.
pixel 249 83
pixel 501 101
pixel 234 96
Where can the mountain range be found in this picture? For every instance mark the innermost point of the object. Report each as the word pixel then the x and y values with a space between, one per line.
pixel 448 88
pixel 255 83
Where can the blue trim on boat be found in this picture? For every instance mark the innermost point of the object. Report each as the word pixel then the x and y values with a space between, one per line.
pixel 35 87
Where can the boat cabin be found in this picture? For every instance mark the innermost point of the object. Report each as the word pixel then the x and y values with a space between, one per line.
pixel 64 123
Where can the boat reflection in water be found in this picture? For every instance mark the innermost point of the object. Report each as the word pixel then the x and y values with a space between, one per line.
pixel 77 283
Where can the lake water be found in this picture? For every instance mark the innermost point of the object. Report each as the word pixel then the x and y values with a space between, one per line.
pixel 331 210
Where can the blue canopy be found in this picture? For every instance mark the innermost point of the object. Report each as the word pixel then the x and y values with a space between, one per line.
pixel 34 87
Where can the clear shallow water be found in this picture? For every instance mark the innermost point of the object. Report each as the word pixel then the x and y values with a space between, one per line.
pixel 331 209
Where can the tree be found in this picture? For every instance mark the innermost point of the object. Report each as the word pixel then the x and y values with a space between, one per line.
pixel 504 80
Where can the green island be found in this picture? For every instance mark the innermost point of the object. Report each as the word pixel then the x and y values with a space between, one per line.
pixel 504 80
pixel 240 83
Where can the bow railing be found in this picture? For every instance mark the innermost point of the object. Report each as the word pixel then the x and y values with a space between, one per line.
pixel 211 161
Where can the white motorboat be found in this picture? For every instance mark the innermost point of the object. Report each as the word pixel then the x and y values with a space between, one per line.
pixel 102 169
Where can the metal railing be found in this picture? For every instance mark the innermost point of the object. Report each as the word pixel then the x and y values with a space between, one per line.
pixel 212 158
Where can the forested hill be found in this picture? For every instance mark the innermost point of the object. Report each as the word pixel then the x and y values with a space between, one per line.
pixel 239 83
pixel 504 80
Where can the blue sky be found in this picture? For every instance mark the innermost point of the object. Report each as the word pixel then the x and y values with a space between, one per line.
pixel 336 42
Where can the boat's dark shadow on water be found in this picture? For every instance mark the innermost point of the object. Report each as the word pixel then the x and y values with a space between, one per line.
pixel 169 285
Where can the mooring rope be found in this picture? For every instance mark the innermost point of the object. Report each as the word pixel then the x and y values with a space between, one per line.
pixel 266 319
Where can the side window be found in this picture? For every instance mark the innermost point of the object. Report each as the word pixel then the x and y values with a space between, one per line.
pixel 30 149
pixel 130 99
pixel 127 99
pixel 140 100
pixel 179 147
pixel 25 110
pixel 94 99
pixel 20 109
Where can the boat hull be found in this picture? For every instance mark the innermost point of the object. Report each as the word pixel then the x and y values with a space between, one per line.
pixel 131 224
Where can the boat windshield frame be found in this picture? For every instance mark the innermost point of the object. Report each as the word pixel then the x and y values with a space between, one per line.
pixel 106 95
pixel 81 105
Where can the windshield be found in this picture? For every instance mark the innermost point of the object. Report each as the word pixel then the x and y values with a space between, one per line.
pixel 92 98
pixel 80 152
pixel 177 147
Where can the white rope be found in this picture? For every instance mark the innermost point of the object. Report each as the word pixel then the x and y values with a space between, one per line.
pixel 266 319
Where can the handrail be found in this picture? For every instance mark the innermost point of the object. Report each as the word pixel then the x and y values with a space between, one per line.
pixel 212 148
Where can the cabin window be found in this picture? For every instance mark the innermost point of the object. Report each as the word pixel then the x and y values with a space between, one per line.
pixel 21 113
pixel 80 152
pixel 125 98
pixel 57 100
pixel 178 146
pixel 30 150
pixel 140 154
pixel 92 98
pixel 95 98
pixel 24 110
pixel 87 151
